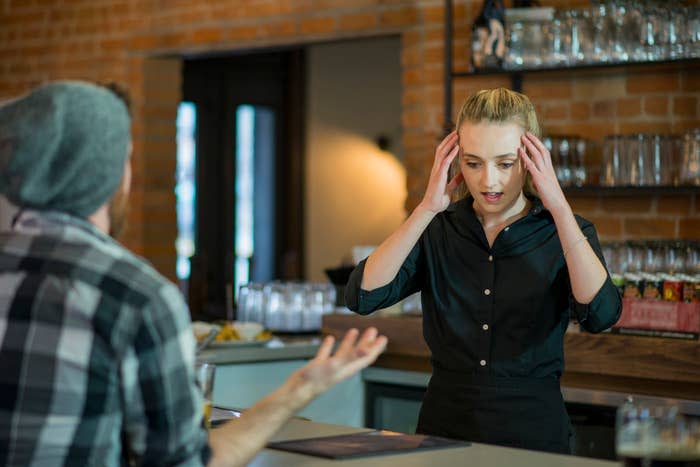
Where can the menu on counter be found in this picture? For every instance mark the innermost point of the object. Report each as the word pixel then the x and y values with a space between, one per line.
pixel 363 444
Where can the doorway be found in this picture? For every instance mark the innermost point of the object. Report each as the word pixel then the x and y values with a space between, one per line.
pixel 247 222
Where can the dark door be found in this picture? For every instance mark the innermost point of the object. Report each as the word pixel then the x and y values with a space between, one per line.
pixel 249 174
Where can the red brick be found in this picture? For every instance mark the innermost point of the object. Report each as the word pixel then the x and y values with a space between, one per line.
pixel 685 106
pixel 434 14
pixel 242 33
pixel 689 228
pixel 412 77
pixel 207 35
pixel 548 89
pixel 629 107
pixel 638 227
pixel 690 81
pixel 434 34
pixel 278 29
pixel 319 25
pixel 673 205
pixel 358 21
pixel 608 227
pixel 656 105
pixel 580 110
pixel 641 205
pixel 434 54
pixel 648 83
pixel 555 111
pixel 604 108
pixel 398 17
pixel 411 57
pixel 584 204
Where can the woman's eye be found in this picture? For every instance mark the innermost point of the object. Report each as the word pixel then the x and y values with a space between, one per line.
pixel 473 165
pixel 506 165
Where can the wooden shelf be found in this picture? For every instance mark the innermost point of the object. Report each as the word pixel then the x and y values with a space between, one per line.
pixel 595 190
pixel 642 66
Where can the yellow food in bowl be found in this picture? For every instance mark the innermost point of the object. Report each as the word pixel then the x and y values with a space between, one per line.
pixel 229 333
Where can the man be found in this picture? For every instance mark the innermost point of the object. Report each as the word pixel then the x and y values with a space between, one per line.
pixel 96 350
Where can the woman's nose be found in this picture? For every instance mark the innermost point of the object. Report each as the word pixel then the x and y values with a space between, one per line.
pixel 488 177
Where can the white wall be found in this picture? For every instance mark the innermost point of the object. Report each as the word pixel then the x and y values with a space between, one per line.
pixel 355 193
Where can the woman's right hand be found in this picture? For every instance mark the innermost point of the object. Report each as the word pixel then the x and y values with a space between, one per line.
pixel 438 194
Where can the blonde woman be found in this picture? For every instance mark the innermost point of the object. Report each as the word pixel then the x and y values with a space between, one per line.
pixel 500 270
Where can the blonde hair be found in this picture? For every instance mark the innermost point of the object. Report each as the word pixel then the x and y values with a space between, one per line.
pixel 498 105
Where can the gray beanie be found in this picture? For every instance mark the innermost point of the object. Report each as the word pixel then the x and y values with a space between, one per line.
pixel 63 147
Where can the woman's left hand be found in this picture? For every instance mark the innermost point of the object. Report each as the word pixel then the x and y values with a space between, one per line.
pixel 538 162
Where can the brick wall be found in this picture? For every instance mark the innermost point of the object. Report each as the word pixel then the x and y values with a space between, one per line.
pixel 138 42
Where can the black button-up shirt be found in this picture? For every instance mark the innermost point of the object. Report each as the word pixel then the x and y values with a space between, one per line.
pixel 499 310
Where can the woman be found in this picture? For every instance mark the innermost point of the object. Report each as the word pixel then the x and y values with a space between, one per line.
pixel 499 272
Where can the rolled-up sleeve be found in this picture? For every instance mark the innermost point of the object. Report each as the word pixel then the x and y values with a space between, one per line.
pixel 605 308
pixel 407 281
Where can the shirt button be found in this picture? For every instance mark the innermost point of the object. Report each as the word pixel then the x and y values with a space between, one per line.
pixel 482 363
pixel 490 257
pixel 507 229
pixel 485 327
pixel 487 292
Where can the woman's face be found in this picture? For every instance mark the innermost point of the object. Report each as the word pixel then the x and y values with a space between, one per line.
pixel 491 167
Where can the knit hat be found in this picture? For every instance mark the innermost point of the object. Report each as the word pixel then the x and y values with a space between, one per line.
pixel 63 147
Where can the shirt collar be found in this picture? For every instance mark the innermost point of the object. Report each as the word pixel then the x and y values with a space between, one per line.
pixel 34 222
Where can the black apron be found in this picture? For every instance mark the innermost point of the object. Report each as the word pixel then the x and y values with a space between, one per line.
pixel 526 413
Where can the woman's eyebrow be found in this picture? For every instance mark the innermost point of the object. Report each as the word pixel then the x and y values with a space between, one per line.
pixel 500 156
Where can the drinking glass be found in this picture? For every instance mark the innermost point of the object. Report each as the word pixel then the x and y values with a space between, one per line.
pixel 617 48
pixel 314 307
pixel 242 303
pixel 656 435
pixel 637 162
pixel 653 32
pixel 581 48
pixel 516 38
pixel 559 40
pixel 613 170
pixel 578 165
pixel 634 19
pixel 600 31
pixel 250 303
pixel 204 375
pixel 693 31
pixel 274 304
pixel 660 172
pixel 563 164
pixel 634 257
pixel 676 34
pixel 690 161
pixel 675 257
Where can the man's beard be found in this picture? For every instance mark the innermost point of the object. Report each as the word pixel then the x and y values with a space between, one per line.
pixel 118 210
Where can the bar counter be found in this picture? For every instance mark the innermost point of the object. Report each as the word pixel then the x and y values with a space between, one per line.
pixel 652 366
pixel 477 454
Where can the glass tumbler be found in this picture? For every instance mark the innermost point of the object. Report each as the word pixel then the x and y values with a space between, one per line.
pixel 612 173
pixel 204 376
pixel 690 161
pixel 656 435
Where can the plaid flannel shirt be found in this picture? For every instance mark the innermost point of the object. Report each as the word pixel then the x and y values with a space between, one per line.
pixel 96 353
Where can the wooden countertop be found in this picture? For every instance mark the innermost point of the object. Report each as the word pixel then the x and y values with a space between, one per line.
pixel 476 454
pixel 630 364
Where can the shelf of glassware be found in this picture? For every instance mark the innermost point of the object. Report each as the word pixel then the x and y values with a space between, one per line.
pixel 680 64
pixel 596 190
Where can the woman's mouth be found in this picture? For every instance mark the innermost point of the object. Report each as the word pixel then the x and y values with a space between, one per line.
pixel 492 196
